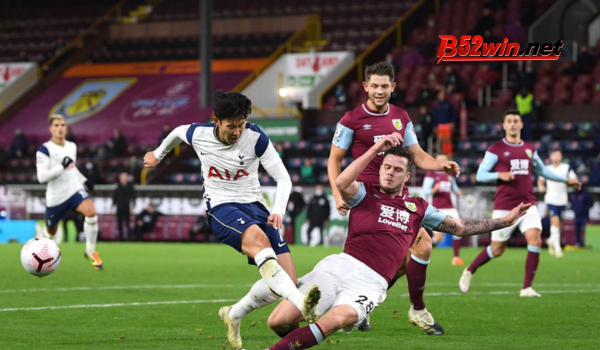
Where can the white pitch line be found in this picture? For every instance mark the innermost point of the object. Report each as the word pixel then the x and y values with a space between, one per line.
pixel 84 306
pixel 577 285
pixel 205 285
pixel 515 292
pixel 164 286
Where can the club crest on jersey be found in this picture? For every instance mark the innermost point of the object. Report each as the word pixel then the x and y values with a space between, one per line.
pixel 397 123
pixel 529 153
pixel 411 206
pixel 241 156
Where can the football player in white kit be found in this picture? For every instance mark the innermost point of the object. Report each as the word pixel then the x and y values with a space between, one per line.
pixel 56 166
pixel 556 199
pixel 230 151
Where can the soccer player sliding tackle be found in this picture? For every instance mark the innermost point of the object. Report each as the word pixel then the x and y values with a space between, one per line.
pixel 55 163
pixel 230 150
pixel 508 162
pixel 356 132
pixel 384 222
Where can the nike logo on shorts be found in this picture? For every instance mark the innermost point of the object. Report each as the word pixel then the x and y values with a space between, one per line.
pixel 281 244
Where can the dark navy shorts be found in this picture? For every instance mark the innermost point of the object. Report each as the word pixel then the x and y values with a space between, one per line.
pixel 228 220
pixel 556 210
pixel 55 214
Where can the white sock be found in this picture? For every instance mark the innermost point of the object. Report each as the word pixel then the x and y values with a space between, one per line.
pixel 90 229
pixel 276 278
pixel 555 233
pixel 259 296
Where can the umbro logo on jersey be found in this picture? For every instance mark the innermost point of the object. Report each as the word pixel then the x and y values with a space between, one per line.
pixel 506 154
pixel 367 126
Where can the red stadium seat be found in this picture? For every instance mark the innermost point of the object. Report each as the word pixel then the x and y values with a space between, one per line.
pixel 581 94
pixel 566 80
pixel 561 95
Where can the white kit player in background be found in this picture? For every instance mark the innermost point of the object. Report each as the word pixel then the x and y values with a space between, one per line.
pixel 56 166
pixel 556 198
pixel 230 151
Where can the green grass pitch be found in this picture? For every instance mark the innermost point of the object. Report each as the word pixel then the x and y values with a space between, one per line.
pixel 166 296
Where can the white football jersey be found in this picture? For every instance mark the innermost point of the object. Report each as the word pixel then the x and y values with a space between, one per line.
pixel 556 192
pixel 229 171
pixel 62 183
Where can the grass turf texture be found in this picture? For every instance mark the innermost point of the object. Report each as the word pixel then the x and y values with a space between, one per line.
pixel 175 286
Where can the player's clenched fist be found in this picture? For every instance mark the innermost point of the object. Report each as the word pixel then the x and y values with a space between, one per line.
pixel 150 160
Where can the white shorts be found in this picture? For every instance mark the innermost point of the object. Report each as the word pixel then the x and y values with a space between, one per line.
pixel 532 219
pixel 344 280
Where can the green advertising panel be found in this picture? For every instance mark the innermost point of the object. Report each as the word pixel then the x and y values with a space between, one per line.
pixel 280 129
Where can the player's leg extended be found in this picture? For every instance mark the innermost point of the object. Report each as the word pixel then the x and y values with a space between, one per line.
pixel 285 318
pixel 256 245
pixel 554 247
pixel 306 337
pixel 416 275
pixel 260 295
pixel 492 251
pixel 90 229
pixel 534 247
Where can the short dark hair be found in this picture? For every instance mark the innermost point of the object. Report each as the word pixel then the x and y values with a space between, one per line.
pixel 380 68
pixel 231 105
pixel 511 111
pixel 402 152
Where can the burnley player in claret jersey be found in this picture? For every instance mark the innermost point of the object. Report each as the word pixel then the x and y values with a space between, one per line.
pixel 356 132
pixel 508 162
pixel 384 223
pixel 440 187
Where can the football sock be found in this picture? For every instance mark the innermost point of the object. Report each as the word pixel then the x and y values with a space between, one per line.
pixel 90 229
pixel 301 338
pixel 416 274
pixel 483 257
pixel 456 243
pixel 282 332
pixel 259 296
pixel 531 264
pixel 276 278
pixel 555 233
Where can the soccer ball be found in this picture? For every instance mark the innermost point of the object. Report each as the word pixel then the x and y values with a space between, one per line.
pixel 40 256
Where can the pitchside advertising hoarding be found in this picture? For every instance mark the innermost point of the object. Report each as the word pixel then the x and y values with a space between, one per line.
pixel 304 70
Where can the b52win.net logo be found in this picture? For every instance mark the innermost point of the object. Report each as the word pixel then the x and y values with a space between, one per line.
pixel 474 49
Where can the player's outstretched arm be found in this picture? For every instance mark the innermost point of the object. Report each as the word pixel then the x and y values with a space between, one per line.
pixel 426 162
pixel 470 227
pixel 151 159
pixel 346 182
